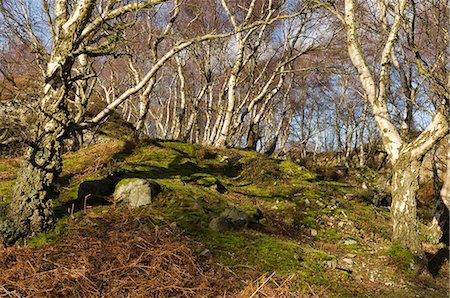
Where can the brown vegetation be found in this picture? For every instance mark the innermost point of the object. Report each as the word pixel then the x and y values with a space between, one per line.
pixel 111 257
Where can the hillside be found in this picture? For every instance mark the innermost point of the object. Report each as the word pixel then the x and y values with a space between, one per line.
pixel 307 232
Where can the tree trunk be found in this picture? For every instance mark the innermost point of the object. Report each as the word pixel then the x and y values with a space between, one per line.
pixel 439 229
pixel 252 136
pixel 405 184
pixel 30 211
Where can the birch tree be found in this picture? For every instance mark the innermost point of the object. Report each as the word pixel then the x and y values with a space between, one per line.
pixel 76 29
pixel 405 155
pixel 80 31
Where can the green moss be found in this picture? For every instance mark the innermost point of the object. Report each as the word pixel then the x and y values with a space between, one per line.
pixel 292 169
pixel 401 256
pixel 318 255
pixel 207 181
pixel 260 170
pixel 336 184
pixel 126 181
pixel 308 220
pixel 255 250
pixel 5 188
pixel 311 194
pixel 330 235
pixel 185 148
pixel 54 236
pixel 281 189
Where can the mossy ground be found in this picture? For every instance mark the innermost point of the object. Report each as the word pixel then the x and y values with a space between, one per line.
pixel 309 224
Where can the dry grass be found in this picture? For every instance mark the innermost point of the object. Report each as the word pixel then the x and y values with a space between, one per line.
pixel 93 158
pixel 112 259
pixel 268 286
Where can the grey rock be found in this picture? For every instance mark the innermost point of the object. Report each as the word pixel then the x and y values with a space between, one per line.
pixel 350 242
pixel 206 253
pixel 347 261
pixel 136 192
pixel 229 219
pixel 219 224
pixel 332 263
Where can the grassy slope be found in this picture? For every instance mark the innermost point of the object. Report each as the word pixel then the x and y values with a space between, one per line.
pixel 310 232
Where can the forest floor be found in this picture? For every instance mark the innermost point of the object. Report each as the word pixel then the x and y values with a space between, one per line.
pixel 315 232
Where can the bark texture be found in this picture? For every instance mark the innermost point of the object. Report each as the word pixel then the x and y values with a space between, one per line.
pixel 405 183
pixel 30 211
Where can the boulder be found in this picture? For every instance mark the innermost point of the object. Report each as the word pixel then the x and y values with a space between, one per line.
pixel 230 219
pixel 136 192
pixel 219 224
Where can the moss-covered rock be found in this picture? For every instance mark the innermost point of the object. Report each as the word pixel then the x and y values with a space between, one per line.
pixel 230 219
pixel 136 192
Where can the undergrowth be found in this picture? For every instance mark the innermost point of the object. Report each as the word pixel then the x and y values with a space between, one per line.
pixel 317 233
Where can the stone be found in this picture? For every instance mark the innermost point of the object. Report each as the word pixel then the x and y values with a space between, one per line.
pixel 236 217
pixel 307 202
pixel 174 227
pixel 347 261
pixel 332 263
pixel 219 224
pixel 359 278
pixel 205 253
pixel 350 242
pixel 136 192
pixel 313 232
pixel 229 219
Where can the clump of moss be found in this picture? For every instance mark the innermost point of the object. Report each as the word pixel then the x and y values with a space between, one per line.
pixel 207 181
pixel 255 250
pixel 53 236
pixel 200 179
pixel 260 169
pixel 292 169
pixel 401 257
pixel 205 153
